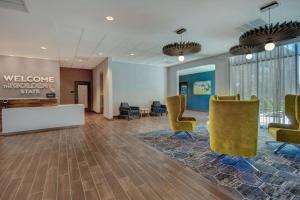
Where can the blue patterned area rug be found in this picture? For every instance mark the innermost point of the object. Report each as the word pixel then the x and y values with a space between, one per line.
pixel 278 176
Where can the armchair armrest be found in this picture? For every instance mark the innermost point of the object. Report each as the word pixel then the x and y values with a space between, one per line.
pixel 277 125
pixel 124 109
pixel 163 106
pixel 187 119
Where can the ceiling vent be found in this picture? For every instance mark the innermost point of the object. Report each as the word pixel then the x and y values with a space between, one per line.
pixel 252 24
pixel 19 5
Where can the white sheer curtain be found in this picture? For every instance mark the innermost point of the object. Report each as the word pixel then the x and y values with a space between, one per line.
pixel 243 77
pixel 270 76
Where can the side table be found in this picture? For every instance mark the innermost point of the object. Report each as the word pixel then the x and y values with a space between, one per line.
pixel 145 112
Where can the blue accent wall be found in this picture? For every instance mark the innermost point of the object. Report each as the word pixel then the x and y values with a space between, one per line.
pixel 198 102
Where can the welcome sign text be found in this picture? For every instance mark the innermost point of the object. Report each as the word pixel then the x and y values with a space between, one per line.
pixel 28 84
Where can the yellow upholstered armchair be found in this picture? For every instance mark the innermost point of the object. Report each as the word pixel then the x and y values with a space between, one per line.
pixel 233 97
pixel 178 123
pixel 233 126
pixel 287 133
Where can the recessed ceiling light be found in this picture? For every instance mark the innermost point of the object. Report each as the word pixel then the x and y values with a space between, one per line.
pixel 109 18
pixel 100 53
pixel 44 48
pixel 132 54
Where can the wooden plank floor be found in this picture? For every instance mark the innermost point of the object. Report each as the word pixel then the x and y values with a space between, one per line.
pixel 102 160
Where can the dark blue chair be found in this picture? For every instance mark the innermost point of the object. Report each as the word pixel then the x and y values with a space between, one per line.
pixel 129 112
pixel 158 109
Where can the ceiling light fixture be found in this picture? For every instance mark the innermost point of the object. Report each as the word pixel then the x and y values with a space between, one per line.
pixel 180 58
pixel 44 48
pixel 269 46
pixel 181 48
pixel 132 54
pixel 109 18
pixel 100 53
pixel 268 36
pixel 249 56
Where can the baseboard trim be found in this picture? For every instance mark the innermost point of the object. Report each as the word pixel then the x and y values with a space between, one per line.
pixel 39 130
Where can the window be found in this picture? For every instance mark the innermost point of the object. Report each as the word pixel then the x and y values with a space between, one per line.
pixel 270 76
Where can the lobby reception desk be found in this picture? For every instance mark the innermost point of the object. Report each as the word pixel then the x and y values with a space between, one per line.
pixel 23 115
pixel 23 119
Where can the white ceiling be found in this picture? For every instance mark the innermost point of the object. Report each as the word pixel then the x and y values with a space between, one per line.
pixel 75 31
pixel 195 70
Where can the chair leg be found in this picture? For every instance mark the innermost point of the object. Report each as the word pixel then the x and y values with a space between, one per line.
pixel 214 161
pixel 269 142
pixel 178 132
pixel 279 148
pixel 253 167
pixel 188 134
pixel 175 133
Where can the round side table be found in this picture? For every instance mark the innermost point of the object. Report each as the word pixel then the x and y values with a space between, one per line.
pixel 145 112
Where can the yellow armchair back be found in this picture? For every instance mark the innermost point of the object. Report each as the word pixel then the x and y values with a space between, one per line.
pixel 233 126
pixel 174 110
pixel 291 110
pixel 182 105
pixel 234 97
pixel 176 107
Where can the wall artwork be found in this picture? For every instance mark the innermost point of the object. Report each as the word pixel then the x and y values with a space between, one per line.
pixel 202 88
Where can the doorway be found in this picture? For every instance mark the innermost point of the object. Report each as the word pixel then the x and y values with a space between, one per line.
pixel 183 90
pixel 83 94
pixel 101 93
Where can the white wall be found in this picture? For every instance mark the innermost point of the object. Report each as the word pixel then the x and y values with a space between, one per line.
pixel 104 68
pixel 221 73
pixel 137 84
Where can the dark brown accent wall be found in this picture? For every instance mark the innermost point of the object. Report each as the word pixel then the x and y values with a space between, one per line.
pixel 67 78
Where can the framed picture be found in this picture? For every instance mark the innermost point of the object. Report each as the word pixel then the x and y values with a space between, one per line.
pixel 202 88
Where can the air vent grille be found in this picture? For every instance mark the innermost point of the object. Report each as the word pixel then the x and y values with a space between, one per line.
pixel 19 5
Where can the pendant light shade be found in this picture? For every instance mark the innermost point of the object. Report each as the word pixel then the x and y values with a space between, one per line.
pixel 266 37
pixel 181 48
